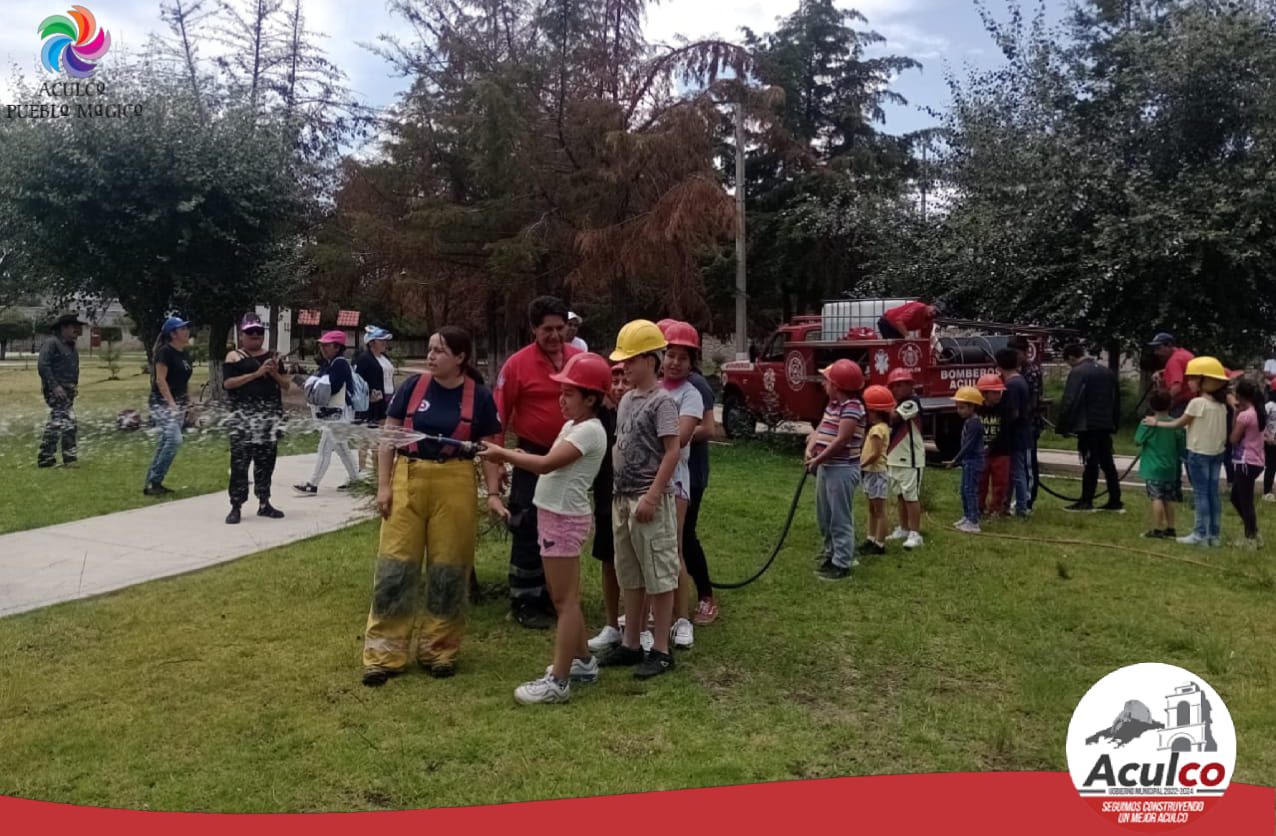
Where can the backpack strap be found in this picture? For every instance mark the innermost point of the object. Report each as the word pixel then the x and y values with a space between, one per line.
pixel 414 403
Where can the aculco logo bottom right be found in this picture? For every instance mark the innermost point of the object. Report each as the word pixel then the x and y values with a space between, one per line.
pixel 1151 747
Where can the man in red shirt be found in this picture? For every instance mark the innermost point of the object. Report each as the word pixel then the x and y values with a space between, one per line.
pixel 527 400
pixel 1173 372
pixel 911 316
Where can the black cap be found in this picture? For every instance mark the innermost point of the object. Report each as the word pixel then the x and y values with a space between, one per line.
pixel 67 319
pixel 1162 339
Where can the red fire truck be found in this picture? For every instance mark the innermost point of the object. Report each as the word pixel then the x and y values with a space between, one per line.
pixel 784 382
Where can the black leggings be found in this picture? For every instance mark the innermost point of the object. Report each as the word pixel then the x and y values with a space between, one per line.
pixel 1270 472
pixel 1243 495
pixel 692 551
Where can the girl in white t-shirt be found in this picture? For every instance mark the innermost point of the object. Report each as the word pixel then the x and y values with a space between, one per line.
pixel 565 519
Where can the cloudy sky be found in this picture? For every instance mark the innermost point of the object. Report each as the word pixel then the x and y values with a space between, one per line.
pixel 941 34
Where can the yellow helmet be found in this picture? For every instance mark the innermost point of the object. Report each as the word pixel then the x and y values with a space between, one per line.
pixel 638 337
pixel 1206 367
pixel 969 394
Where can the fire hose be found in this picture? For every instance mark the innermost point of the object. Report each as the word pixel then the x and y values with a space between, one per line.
pixel 784 533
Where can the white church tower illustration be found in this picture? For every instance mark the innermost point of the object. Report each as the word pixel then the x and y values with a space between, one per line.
pixel 1187 721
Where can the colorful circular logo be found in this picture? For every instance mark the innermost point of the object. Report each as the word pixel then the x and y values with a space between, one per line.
pixel 910 355
pixel 1151 747
pixel 73 43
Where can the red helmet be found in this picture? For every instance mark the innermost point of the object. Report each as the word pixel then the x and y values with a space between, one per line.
pixel 680 333
pixel 899 376
pixel 879 399
pixel 991 383
pixel 586 371
pixel 845 375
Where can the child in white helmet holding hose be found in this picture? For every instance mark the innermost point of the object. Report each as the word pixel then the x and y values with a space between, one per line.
pixel 644 519
pixel 564 518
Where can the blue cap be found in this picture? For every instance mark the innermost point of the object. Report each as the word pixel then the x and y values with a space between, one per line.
pixel 172 324
pixel 375 333
pixel 1162 338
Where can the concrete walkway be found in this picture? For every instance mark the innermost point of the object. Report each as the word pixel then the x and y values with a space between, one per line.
pixel 73 560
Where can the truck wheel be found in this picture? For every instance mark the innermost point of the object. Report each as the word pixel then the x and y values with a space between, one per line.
pixel 948 436
pixel 737 421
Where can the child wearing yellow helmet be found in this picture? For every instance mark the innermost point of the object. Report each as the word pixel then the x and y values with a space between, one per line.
pixel 1206 421
pixel 970 457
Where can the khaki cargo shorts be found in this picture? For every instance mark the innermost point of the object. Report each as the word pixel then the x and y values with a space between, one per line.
pixel 906 482
pixel 646 553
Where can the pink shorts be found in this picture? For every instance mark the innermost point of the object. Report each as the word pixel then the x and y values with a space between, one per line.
pixel 562 535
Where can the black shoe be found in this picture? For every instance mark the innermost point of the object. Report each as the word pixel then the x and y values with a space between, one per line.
pixel 532 617
pixel 442 670
pixel 1113 507
pixel 1079 507
pixel 1154 534
pixel 71 462
pixel 156 490
pixel 1169 532
pixel 233 517
pixel 620 656
pixel 653 664
pixel 830 572
pixel 875 548
pixel 307 489
pixel 265 509
pixel 374 677
pixel 52 463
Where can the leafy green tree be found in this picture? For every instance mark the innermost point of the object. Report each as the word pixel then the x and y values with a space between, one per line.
pixel 1114 176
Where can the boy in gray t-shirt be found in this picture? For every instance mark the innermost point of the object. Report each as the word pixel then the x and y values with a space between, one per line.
pixel 644 518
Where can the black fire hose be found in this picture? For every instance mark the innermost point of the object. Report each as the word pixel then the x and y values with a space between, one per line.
pixel 784 533
pixel 1120 478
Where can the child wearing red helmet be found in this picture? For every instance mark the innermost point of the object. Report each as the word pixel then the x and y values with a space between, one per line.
pixel 833 454
pixel 564 517
pixel 994 485
pixel 906 458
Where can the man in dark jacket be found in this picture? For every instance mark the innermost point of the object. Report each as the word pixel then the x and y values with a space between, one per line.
pixel 59 367
pixel 1091 410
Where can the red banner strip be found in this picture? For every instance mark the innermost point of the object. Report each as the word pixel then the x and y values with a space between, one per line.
pixel 986 803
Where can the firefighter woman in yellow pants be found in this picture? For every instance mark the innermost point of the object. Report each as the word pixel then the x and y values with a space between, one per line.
pixel 427 496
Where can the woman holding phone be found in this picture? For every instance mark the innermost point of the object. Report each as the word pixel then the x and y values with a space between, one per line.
pixel 254 383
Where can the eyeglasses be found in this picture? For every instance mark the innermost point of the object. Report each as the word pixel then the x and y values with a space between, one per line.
pixel 254 332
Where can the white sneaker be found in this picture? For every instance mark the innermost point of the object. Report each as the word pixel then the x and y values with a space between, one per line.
pixel 606 639
pixel 913 541
pixel 544 690
pixel 957 525
pixel 897 534
pixel 682 634
pixel 1191 540
pixel 1269 497
pixel 968 527
pixel 646 640
pixel 582 671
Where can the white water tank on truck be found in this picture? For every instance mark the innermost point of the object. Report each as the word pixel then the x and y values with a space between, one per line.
pixel 839 317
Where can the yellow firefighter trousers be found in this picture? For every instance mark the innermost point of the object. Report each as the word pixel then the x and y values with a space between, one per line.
pixel 434 515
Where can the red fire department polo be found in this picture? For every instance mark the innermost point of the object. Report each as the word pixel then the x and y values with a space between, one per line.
pixel 525 390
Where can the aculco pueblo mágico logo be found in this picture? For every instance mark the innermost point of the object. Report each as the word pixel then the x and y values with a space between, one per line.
pixel 1151 746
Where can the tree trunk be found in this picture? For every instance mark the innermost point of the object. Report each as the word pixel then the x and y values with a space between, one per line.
pixel 274 332
pixel 4 345
pixel 217 334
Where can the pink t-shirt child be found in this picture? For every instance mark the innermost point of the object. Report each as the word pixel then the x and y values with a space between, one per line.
pixel 1250 449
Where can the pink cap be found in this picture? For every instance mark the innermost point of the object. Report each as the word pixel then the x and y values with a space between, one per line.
pixel 338 337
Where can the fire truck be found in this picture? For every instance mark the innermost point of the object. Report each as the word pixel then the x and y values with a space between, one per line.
pixel 784 382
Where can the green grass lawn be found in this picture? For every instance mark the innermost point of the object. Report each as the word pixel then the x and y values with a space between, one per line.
pixel 112 466
pixel 237 688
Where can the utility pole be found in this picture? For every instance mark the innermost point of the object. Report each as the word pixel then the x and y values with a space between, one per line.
pixel 741 311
